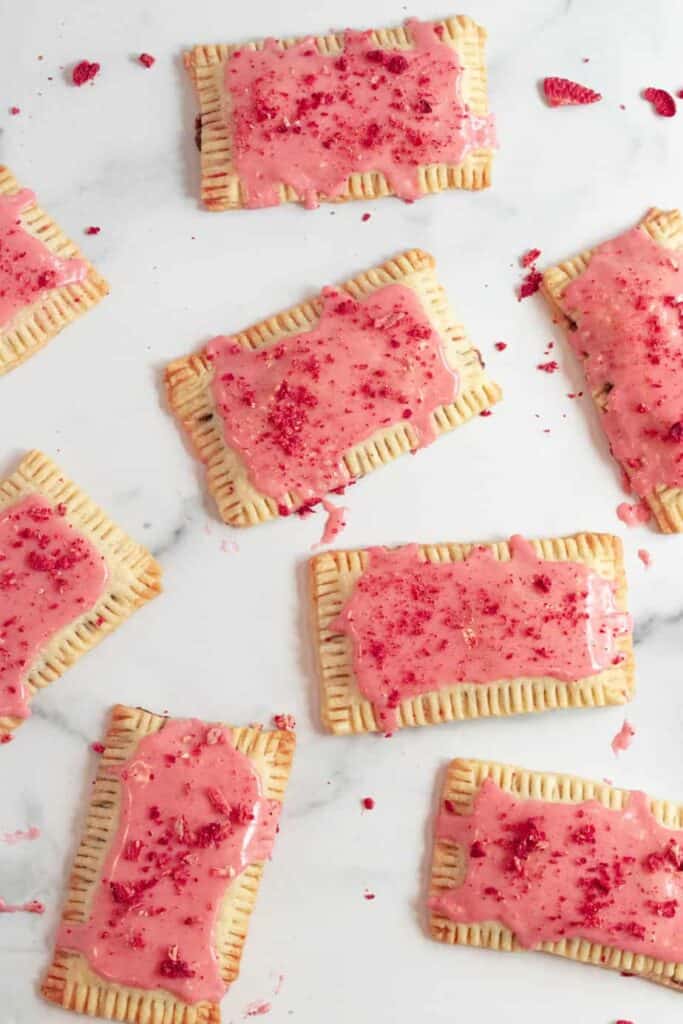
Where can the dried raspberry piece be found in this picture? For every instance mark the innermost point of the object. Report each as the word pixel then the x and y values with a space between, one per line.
pixel 675 432
pixel 97 747
pixel 662 101
pixel 84 72
pixel 146 59
pixel 500 346
pixel 550 367
pixel 92 230
pixel 173 966
pixel 477 849
pixel 530 284
pixel 14 111
pixel 285 722
pixel 542 582
pixel 368 803
pixel 562 92
pixel 397 64
pixel 530 257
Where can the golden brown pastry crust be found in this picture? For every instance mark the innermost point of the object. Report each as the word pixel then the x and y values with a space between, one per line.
pixel 188 384
pixel 665 228
pixel 70 982
pixel 133 575
pixel 222 188
pixel 38 323
pixel 344 709
pixel 463 779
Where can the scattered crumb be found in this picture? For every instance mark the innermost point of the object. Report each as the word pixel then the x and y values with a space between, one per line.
pixel 486 412
pixel 367 895
pixel 645 557
pixel 285 722
pixel 550 367
pixel 92 230
pixel 634 515
pixel 562 92
pixel 530 284
pixel 368 803
pixel 84 71
pixel 146 59
pixel 662 101
pixel 500 346
pixel 11 838
pixel 623 739
pixel 97 747
pixel 365 217
pixel 530 257
pixel 14 111
pixel 257 1009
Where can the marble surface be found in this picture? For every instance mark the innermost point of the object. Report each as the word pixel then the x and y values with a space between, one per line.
pixel 229 637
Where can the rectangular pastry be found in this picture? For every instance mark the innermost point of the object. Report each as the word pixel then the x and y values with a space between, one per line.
pixel 623 305
pixel 418 635
pixel 551 862
pixel 311 399
pixel 182 817
pixel 68 578
pixel 45 282
pixel 350 115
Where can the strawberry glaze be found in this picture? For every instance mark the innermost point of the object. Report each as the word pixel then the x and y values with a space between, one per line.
pixel 27 267
pixel 550 871
pixel 628 310
pixel 418 626
pixel 309 120
pixel 623 739
pixel 634 515
pixel 293 409
pixel 50 575
pixel 335 522
pixel 30 907
pixel 193 817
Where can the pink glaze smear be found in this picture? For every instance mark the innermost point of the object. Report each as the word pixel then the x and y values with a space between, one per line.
pixel 628 308
pixel 645 557
pixel 623 739
pixel 420 626
pixel 50 575
pixel 20 836
pixel 309 120
pixel 293 409
pixel 193 818
pixel 335 522
pixel 550 871
pixel 634 515
pixel 27 267
pixel 30 907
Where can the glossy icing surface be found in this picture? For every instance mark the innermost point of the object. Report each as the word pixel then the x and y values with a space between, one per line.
pixel 27 267
pixel 310 120
pixel 49 576
pixel 628 308
pixel 419 626
pixel 192 818
pixel 551 870
pixel 293 409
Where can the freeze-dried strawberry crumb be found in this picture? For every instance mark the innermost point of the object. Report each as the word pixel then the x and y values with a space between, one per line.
pixel 175 968
pixel 662 101
pixel 146 59
pixel 368 803
pixel 449 805
pixel 675 432
pixel 550 367
pixel 97 747
pixel 365 217
pixel 530 257
pixel 477 849
pixel 285 722
pixel 486 412
pixel 542 582
pixel 14 111
pixel 562 92
pixel 530 284
pixel 93 230
pixel 369 895
pixel 500 346
pixel 84 72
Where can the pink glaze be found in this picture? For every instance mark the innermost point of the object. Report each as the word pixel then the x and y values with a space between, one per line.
pixel 628 308
pixel 418 626
pixel 634 515
pixel 258 1009
pixel 27 267
pixel 309 121
pixel 293 409
pixel 193 817
pixel 550 871
pixel 31 907
pixel 49 575
pixel 12 838
pixel 335 523
pixel 645 557
pixel 623 739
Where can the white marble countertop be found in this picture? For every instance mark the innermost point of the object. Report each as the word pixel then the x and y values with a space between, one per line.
pixel 228 639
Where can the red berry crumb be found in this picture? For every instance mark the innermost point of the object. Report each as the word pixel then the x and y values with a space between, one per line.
pixel 562 92
pixel 6 737
pixel 550 367
pixel 92 230
pixel 284 722
pixel 14 111
pixel 368 803
pixel 662 101
pixel 84 72
pixel 530 257
pixel 368 895
pixel 146 59
pixel 97 747
pixel 365 217
pixel 530 284
pixel 500 346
